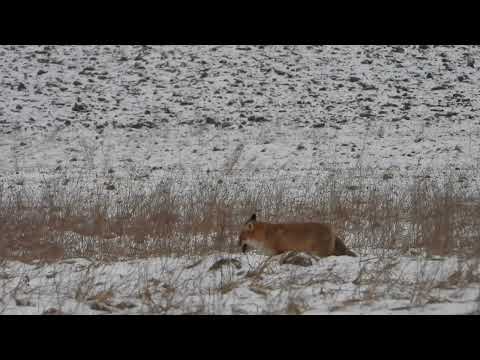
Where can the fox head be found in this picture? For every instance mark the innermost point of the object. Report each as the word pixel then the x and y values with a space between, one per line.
pixel 247 233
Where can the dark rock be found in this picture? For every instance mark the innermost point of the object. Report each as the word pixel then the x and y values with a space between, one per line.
pixel 470 61
pixel 398 49
pixel 225 262
pixel 209 120
pixel 80 107
pixel 53 311
pixel 21 87
pixel 100 306
pixel 367 86
pixel 440 87
pixel 366 115
pixel 88 68
pixel 298 259
pixel 125 305
pixel 254 118
pixel 23 302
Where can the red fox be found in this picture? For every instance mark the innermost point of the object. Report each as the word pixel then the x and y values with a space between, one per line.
pixel 274 239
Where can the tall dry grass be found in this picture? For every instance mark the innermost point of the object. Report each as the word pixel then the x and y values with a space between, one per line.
pixel 176 216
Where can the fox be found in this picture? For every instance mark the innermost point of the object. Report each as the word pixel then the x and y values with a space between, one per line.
pixel 274 239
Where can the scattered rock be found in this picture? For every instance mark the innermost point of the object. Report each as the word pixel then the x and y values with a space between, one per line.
pixel 470 61
pixel 225 262
pixel 367 86
pixel 125 305
pixel 398 49
pixel 80 107
pixel 23 302
pixel 440 87
pixel 294 258
pixel 211 121
pixel 387 176
pixel 53 311
pixel 99 306
pixel 257 119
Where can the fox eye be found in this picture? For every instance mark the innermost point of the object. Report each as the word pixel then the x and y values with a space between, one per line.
pixel 250 227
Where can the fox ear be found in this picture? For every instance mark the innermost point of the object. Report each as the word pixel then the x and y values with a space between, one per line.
pixel 253 218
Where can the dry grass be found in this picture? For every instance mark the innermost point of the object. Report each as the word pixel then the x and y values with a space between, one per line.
pixel 171 217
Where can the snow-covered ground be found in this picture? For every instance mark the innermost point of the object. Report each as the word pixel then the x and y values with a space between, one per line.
pixel 113 114
pixel 274 109
pixel 374 283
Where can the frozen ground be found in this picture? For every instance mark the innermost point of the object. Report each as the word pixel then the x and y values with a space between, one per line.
pixel 375 283
pixel 293 110
pixel 244 113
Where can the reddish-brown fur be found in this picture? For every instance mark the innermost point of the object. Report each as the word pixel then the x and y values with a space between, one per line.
pixel 316 238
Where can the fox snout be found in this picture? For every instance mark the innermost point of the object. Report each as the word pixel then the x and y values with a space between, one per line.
pixel 241 243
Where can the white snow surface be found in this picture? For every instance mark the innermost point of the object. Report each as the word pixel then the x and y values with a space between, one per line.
pixel 373 283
